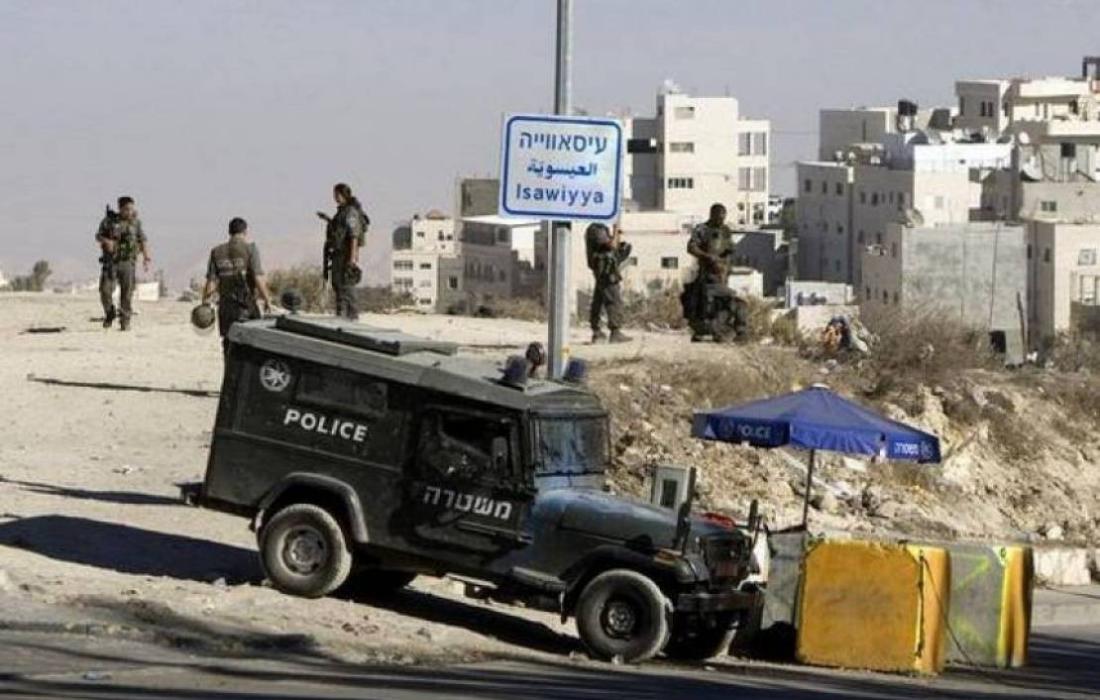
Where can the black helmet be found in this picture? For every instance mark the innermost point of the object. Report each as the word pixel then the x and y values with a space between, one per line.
pixel 353 275
pixel 203 317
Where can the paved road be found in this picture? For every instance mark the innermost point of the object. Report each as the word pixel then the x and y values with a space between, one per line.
pixel 1065 665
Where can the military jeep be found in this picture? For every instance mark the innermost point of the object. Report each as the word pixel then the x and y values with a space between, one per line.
pixel 365 457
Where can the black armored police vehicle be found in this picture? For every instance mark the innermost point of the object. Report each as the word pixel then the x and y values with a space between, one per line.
pixel 365 457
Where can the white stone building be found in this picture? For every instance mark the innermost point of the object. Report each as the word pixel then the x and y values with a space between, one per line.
pixel 419 250
pixel 697 151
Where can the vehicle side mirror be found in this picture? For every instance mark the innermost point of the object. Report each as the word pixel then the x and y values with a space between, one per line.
pixel 500 454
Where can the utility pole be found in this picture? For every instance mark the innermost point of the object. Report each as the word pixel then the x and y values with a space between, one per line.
pixel 560 233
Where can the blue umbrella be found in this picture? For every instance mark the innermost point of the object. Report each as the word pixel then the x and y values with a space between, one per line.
pixel 816 419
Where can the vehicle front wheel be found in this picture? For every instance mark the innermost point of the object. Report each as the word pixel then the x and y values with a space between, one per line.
pixel 622 613
pixel 304 552
pixel 698 639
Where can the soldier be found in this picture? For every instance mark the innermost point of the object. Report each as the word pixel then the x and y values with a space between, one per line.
pixel 709 295
pixel 345 234
pixel 236 275
pixel 120 239
pixel 606 254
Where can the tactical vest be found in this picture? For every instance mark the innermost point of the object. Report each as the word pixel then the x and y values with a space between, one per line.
pixel 233 262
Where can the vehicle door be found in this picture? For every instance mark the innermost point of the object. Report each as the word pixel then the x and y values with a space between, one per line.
pixel 470 492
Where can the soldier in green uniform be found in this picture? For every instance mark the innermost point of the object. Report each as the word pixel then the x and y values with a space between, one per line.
pixel 606 255
pixel 120 239
pixel 236 275
pixel 710 307
pixel 345 235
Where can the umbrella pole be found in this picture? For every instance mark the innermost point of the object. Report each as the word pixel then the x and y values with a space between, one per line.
pixel 809 489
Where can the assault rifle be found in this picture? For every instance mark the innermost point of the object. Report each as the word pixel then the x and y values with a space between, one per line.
pixel 326 255
pixel 108 242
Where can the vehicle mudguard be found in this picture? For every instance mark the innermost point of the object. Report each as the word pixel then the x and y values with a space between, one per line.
pixel 334 488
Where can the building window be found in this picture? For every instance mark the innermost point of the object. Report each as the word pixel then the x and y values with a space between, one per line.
pixel 874 199
pixel 744 144
pixel 759 179
pixel 901 200
pixel 681 183
pixel 836 265
pixel 885 297
pixel 684 112
pixel 760 144
pixel 424 283
pixel 1029 251
pixel 897 299
pixel 403 282
pixel 440 237
pixel 402 264
pixel 824 187
pixel 878 238
pixel 840 188
pixel 744 179
pixel 425 266
pixel 866 292
pixel 862 197
pixel 891 198
pixel 681 147
pixel 807 186
pixel 452 282
pixel 1086 256
pixel 962 106
pixel 671 263
pixel 1048 205
pixel 420 234
pixel 860 238
pixel 893 250
pixel 1046 255
pixel 840 229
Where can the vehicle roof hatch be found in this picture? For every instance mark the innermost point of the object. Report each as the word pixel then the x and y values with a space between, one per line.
pixel 388 341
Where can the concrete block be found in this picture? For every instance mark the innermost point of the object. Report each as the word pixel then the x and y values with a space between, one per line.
pixel 873 605
pixel 1063 566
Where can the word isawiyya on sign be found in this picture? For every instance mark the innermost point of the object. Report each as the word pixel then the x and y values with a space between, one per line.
pixel 564 166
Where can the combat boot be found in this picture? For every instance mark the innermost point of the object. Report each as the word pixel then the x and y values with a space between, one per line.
pixel 618 336
pixel 124 324
pixel 598 336
pixel 109 317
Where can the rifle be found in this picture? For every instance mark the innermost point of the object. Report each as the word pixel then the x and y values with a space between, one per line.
pixel 326 255
pixel 107 242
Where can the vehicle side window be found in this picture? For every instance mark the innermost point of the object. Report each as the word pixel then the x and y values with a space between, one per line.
pixel 343 391
pixel 464 447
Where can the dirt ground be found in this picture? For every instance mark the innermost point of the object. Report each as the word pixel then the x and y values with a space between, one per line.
pixel 100 427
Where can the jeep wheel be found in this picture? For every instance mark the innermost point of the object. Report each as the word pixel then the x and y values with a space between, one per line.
pixel 698 639
pixel 304 552
pixel 374 583
pixel 623 614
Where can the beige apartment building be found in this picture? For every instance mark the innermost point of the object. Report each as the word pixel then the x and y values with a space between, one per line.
pixel 694 152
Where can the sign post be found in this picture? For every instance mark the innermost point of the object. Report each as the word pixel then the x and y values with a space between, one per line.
pixel 560 168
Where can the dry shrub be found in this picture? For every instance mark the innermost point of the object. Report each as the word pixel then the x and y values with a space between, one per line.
pixel 922 348
pixel 306 279
pixel 1012 436
pixel 1075 352
pixel 382 300
pixel 518 308
pixel 660 308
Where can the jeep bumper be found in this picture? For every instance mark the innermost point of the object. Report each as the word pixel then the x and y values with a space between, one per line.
pixel 717 602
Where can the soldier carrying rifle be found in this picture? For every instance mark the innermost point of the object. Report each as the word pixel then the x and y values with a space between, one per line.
pixel 345 235
pixel 120 238
pixel 606 252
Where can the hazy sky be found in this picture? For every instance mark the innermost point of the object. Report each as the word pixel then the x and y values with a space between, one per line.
pixel 208 109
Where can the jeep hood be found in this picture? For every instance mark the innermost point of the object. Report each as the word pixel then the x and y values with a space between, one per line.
pixel 600 514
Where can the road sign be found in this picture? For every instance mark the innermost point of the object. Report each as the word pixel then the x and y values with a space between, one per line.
pixel 561 167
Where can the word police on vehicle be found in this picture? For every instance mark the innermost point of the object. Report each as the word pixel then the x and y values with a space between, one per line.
pixel 560 167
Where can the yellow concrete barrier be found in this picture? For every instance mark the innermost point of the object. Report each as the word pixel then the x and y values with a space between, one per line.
pixel 874 605
pixel 990 618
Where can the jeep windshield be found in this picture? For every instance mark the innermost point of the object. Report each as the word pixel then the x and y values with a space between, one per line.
pixel 572 445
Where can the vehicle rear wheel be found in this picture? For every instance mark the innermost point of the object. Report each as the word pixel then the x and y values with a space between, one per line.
pixel 622 613
pixel 304 552
pixel 695 639
pixel 373 583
